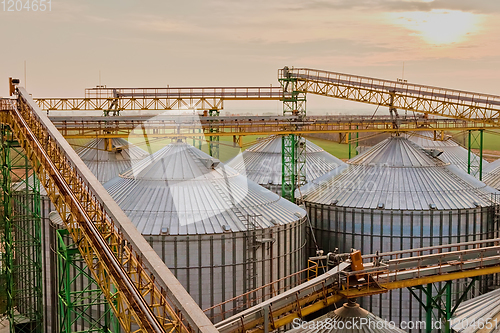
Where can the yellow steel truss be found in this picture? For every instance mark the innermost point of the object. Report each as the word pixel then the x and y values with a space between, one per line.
pixel 398 94
pixel 140 304
pixel 210 98
pixel 122 127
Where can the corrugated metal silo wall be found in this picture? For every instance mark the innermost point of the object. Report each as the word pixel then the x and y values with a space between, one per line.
pixel 216 268
pixel 387 230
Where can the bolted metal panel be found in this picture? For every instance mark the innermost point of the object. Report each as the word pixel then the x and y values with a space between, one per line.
pixel 213 273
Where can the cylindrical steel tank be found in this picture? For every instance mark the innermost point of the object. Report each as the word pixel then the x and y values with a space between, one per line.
pixel 221 234
pixel 395 197
pixel 261 163
pixel 106 158
pixel 349 318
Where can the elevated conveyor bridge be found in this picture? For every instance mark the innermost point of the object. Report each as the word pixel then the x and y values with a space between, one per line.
pixel 381 273
pixel 144 294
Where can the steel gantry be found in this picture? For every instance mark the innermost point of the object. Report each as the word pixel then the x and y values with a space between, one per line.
pixel 143 293
pixel 21 238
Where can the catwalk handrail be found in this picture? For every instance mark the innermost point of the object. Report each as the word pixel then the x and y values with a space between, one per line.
pixel 115 251
pixel 398 94
pixel 187 92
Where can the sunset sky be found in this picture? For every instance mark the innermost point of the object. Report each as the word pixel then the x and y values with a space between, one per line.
pixel 449 43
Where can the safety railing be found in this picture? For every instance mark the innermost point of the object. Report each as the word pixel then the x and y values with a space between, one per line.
pixel 188 92
pixel 223 310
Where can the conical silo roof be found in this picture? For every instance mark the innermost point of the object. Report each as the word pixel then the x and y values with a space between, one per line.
pixel 491 174
pixel 180 190
pixel 262 161
pixel 106 164
pixel 479 314
pixel 349 318
pixel 453 153
pixel 398 174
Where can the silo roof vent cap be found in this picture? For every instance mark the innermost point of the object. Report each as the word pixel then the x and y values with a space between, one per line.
pixel 432 206
pixel 434 152
pixel 211 163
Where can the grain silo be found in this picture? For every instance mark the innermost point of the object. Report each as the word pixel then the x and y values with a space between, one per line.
pixel 349 318
pixel 261 162
pixel 221 234
pixel 396 196
pixel 453 153
pixel 106 158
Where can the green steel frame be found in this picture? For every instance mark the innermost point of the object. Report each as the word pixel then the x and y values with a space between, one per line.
pixel 442 302
pixel 213 147
pixel 293 148
pixel 21 239
pixel 355 147
pixel 81 305
pixel 475 163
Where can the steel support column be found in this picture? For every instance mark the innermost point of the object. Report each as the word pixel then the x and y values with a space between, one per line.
pixel 81 304
pixel 213 146
pixel 293 146
pixel 357 144
pixel 444 307
pixel 475 163
pixel 21 238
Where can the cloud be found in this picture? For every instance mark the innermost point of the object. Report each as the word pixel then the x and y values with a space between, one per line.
pixel 483 6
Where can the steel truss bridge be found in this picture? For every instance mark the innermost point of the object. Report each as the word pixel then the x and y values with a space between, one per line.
pixel 142 292
pixel 474 112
